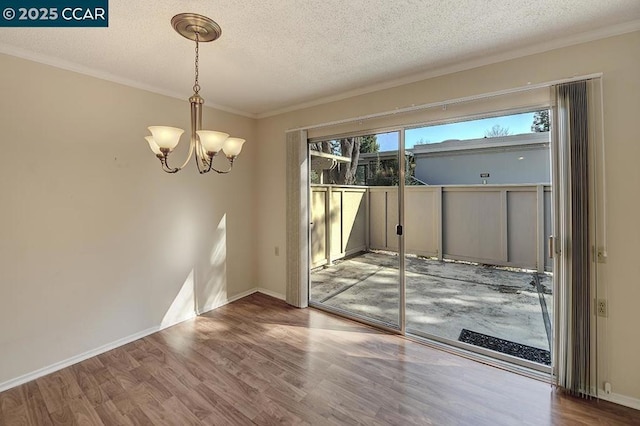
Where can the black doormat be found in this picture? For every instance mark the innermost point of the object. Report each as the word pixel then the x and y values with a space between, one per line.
pixel 529 353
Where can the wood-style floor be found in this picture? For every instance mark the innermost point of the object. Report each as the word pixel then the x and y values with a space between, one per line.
pixel 259 361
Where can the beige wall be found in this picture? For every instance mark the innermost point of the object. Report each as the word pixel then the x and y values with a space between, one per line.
pixel 619 59
pixel 96 242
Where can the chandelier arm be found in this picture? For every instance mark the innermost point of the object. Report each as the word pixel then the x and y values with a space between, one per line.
pixel 203 161
pixel 222 172
pixel 196 119
pixel 165 163
pixel 165 166
pixel 188 156
pixel 207 166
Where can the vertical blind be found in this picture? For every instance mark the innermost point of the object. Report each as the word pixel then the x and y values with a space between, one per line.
pixel 573 354
pixel 297 220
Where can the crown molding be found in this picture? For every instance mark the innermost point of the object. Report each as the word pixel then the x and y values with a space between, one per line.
pixel 584 37
pixel 572 40
pixel 102 75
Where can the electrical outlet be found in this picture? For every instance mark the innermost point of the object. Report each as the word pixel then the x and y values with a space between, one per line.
pixel 276 251
pixel 602 307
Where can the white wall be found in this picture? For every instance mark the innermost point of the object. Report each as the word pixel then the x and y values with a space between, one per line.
pixel 97 243
pixel 619 59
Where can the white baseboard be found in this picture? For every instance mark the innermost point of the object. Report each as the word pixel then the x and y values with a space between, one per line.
pixel 11 383
pixel 75 359
pixel 616 398
pixel 271 293
pixel 219 304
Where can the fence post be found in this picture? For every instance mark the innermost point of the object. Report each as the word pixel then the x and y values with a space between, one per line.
pixel 540 237
pixel 367 236
pixel 343 240
pixel 438 217
pixel 386 219
pixel 504 217
pixel 327 224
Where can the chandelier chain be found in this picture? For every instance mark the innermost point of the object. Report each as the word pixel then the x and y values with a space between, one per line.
pixel 196 86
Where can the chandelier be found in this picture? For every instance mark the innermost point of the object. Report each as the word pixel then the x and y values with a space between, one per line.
pixel 205 143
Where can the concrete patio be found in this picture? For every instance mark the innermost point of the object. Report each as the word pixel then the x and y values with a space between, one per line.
pixel 442 297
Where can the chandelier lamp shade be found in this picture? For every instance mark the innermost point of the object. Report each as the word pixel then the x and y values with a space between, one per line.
pixel 205 144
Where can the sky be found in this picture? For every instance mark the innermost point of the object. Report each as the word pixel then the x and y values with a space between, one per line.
pixel 518 123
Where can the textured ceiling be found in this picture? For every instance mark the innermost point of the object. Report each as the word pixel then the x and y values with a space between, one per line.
pixel 276 54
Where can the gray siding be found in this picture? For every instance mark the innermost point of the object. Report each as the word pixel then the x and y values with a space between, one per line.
pixel 504 167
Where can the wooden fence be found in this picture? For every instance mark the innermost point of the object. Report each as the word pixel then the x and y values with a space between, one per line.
pixel 504 225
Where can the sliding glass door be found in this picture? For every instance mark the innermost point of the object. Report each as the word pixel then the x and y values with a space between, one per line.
pixel 354 200
pixel 440 232
pixel 478 271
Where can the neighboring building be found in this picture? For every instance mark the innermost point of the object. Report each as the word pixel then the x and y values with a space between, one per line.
pixel 523 158
pixel 377 168
pixel 322 163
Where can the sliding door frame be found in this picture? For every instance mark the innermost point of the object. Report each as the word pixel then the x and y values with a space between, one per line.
pixel 401 240
pixel 400 329
pixel 294 222
pixel 484 355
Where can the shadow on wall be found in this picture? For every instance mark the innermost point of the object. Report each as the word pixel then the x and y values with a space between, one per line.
pixel 205 287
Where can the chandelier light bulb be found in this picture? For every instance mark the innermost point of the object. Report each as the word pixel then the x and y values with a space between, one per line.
pixel 211 140
pixel 233 146
pixel 166 137
pixel 153 145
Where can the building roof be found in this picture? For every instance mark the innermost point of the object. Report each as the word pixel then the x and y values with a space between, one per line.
pixel 501 142
pixel 325 161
